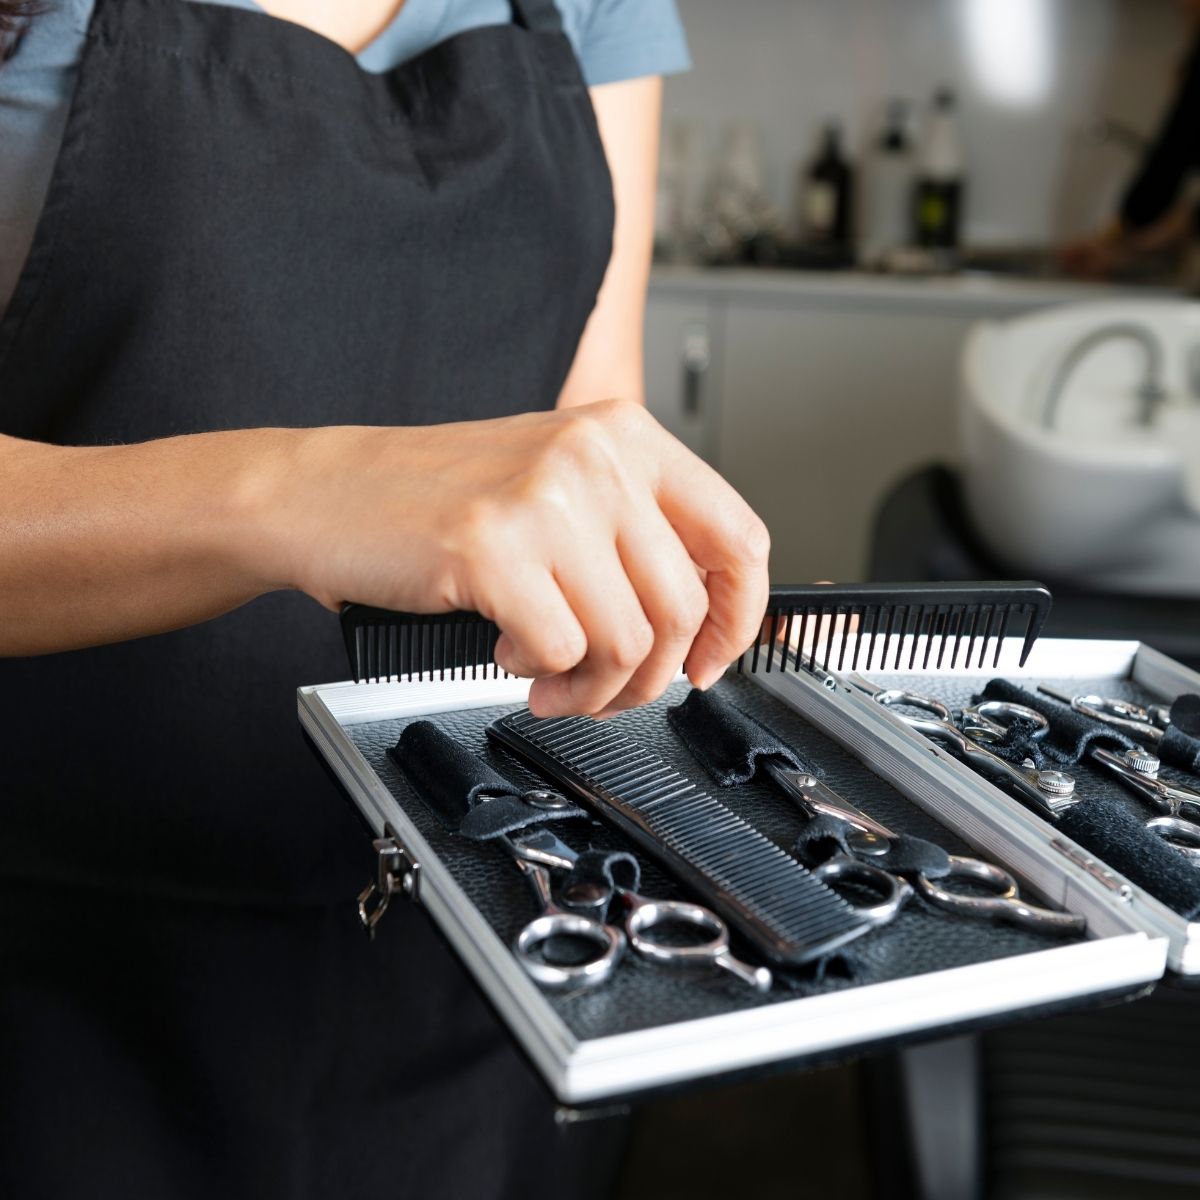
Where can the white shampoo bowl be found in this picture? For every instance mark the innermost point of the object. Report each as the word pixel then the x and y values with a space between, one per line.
pixel 1099 498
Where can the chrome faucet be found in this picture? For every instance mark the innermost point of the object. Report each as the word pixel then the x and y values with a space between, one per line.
pixel 1150 391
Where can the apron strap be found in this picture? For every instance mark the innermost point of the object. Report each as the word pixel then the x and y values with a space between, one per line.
pixel 540 15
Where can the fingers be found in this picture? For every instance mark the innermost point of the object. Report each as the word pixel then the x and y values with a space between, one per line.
pixel 609 555
pixel 674 599
pixel 723 537
pixel 619 636
pixel 541 634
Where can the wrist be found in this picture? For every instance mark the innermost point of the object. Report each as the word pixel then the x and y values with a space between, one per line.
pixel 255 530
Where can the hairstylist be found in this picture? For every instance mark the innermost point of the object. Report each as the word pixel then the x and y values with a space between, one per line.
pixel 284 328
pixel 1158 217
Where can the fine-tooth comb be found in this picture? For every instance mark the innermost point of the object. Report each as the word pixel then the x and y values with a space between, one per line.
pixel 788 915
pixel 804 625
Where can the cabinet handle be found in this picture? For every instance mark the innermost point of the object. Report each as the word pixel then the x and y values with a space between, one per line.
pixel 697 356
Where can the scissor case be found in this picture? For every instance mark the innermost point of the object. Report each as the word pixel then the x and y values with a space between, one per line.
pixel 925 974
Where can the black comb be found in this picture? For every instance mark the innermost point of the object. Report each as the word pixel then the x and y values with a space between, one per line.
pixel 788 915
pixel 800 628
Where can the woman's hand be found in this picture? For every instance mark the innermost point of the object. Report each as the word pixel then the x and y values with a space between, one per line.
pixel 607 553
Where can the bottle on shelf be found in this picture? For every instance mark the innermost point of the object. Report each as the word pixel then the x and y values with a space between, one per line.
pixel 941 178
pixel 887 187
pixel 827 197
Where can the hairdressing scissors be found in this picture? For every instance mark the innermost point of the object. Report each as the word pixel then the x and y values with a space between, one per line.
pixel 869 837
pixel 1048 791
pixel 1137 769
pixel 538 852
pixel 1145 723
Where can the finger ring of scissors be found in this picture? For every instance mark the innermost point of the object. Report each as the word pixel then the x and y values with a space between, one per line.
pixel 538 851
pixel 869 836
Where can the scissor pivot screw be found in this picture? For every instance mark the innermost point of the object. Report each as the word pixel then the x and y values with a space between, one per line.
pixel 1055 783
pixel 863 841
pixel 545 798
pixel 1142 761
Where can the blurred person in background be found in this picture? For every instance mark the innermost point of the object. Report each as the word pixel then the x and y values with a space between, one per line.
pixel 1159 217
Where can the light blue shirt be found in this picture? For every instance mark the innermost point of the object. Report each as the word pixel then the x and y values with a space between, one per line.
pixel 614 40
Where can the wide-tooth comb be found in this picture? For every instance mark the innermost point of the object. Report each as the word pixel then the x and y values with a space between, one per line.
pixel 800 627
pixel 811 625
pixel 788 915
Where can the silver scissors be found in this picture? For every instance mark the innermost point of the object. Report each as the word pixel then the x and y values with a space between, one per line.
pixel 1144 722
pixel 869 837
pixel 1048 791
pixel 538 852
pixel 1137 769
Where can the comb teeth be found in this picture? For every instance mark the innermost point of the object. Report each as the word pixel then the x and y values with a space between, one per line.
pixel 939 621
pixel 799 629
pixel 383 645
pixel 787 914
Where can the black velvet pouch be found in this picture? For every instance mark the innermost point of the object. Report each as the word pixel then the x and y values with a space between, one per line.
pixel 725 741
pixel 1070 737
pixel 823 836
pixel 1110 827
pixel 1180 746
pixel 730 746
pixel 1113 831
pixel 605 870
pixel 453 782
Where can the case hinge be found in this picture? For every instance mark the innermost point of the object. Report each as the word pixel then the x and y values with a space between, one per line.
pixel 396 870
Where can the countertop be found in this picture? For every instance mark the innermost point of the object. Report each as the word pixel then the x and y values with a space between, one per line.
pixel 968 290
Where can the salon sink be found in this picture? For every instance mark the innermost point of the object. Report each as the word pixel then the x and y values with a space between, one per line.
pixel 1080 440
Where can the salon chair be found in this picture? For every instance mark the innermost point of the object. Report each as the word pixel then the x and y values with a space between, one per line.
pixel 1093 1105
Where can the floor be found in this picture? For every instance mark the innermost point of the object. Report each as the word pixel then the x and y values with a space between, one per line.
pixel 799 1136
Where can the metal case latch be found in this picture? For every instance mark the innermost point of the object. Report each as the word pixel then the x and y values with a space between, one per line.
pixel 395 871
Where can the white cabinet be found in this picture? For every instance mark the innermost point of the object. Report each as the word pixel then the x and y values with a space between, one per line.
pixel 683 368
pixel 819 393
pixel 826 408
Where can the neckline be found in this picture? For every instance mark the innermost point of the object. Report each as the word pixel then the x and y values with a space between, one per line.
pixel 416 22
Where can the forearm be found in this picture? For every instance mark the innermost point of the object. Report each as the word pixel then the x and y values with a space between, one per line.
pixel 1174 152
pixel 100 544
pixel 609 361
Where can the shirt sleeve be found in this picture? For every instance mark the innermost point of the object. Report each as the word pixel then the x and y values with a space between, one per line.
pixel 626 39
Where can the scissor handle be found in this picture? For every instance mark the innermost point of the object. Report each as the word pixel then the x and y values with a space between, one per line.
pixel 1135 719
pixel 643 915
pixel 1183 835
pixel 942 729
pixel 992 718
pixel 891 697
pixel 608 940
pixel 554 922
pixel 893 891
pixel 1005 905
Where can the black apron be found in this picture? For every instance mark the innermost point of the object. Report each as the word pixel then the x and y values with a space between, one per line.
pixel 246 229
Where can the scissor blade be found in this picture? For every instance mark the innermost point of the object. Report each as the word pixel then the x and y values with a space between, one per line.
pixel 818 798
pixel 538 845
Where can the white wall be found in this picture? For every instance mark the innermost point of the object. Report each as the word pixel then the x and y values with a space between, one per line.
pixel 789 64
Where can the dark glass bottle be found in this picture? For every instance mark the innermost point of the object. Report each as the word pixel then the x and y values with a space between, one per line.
pixel 940 186
pixel 827 196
